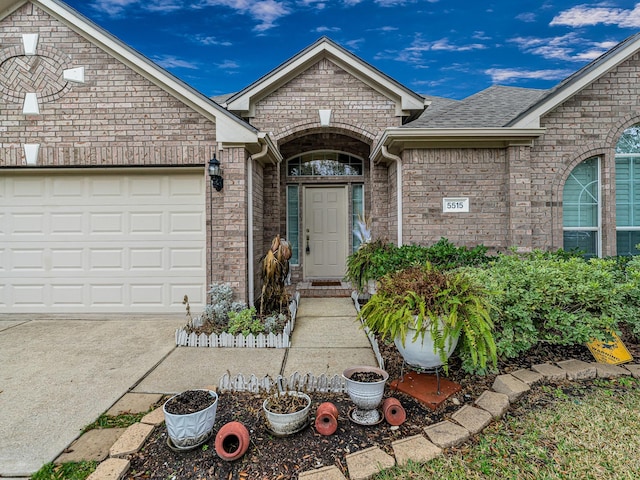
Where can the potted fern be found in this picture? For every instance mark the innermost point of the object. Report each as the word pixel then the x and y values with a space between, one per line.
pixel 425 311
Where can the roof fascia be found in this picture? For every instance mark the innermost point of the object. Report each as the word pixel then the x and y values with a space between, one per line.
pixel 7 7
pixel 406 100
pixel 395 140
pixel 530 118
pixel 229 128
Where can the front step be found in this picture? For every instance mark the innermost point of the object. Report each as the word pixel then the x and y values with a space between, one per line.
pixel 324 289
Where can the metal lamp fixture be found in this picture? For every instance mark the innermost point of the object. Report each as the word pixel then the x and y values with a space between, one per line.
pixel 215 173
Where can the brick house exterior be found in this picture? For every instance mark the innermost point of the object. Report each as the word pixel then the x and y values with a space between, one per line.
pixel 106 204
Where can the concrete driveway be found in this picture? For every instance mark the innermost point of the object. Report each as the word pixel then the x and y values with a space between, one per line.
pixel 58 374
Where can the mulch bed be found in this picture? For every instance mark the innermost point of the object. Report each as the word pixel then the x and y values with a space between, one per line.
pixel 272 458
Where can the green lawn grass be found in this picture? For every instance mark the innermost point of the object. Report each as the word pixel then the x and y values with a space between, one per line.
pixel 590 432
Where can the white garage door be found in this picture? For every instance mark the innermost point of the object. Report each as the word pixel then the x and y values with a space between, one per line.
pixel 101 242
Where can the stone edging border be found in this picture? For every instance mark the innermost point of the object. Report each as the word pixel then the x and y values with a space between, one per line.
pixel 468 420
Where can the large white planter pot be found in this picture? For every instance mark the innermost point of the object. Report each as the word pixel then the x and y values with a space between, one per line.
pixel 190 430
pixel 421 353
pixel 365 395
pixel 283 424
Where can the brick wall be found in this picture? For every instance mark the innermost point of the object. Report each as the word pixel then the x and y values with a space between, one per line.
pixel 116 117
pixel 588 124
pixel 429 175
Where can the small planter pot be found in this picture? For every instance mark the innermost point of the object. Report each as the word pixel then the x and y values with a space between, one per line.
pixel 232 441
pixel 393 411
pixel 284 424
pixel 326 419
pixel 365 395
pixel 187 431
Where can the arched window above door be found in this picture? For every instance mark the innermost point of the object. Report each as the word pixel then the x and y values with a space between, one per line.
pixel 324 164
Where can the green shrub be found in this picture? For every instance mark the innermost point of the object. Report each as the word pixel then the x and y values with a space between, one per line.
pixel 555 299
pixel 376 259
pixel 245 322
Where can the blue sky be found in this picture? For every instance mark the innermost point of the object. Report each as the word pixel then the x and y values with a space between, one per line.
pixel 448 48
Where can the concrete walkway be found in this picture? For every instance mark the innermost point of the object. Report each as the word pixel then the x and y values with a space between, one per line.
pixel 58 374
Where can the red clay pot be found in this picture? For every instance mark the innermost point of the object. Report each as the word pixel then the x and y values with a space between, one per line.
pixel 232 441
pixel 393 411
pixel 326 419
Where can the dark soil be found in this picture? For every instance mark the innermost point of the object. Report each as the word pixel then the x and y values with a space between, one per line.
pixel 366 377
pixel 190 401
pixel 273 458
pixel 282 404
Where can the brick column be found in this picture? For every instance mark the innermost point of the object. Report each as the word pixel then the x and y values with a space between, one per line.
pixel 229 224
pixel 519 197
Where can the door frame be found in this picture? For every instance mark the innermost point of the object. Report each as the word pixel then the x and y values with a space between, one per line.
pixel 303 240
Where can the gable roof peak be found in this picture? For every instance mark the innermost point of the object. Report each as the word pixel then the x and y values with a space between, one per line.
pixel 407 101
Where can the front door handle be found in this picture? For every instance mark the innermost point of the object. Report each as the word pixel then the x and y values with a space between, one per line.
pixel 307 249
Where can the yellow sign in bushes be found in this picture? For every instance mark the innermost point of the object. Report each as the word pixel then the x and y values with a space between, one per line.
pixel 613 352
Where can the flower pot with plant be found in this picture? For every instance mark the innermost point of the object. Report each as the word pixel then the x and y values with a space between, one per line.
pixel 287 412
pixel 189 418
pixel 431 309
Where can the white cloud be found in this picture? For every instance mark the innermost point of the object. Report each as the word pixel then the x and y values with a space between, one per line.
pixel 207 40
pixel 112 7
pixel 569 47
pixel 324 29
pixel 527 17
pixel 163 6
pixel 584 15
pixel 420 45
pixel 507 75
pixel 266 12
pixel 170 61
pixel 228 65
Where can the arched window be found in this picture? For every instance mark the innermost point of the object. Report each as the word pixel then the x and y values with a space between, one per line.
pixel 628 192
pixel 580 208
pixel 325 164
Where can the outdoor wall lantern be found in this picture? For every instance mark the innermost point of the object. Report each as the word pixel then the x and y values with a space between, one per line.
pixel 215 172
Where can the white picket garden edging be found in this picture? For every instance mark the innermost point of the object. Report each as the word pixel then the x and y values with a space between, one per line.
pixel 281 340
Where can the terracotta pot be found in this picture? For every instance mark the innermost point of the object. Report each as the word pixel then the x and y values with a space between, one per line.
pixel 329 407
pixel 393 411
pixel 232 441
pixel 326 419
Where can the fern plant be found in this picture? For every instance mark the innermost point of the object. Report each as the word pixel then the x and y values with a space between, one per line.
pixel 446 304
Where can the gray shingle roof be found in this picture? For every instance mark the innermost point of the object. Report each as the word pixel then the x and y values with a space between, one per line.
pixel 493 107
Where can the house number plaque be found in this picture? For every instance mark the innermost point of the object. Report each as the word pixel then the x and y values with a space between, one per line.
pixel 455 205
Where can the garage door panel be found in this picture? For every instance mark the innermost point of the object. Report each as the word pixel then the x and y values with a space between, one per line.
pixel 106 259
pixel 67 259
pixel 147 259
pixel 146 222
pixel 185 222
pixel 27 259
pixel 147 294
pixel 66 224
pixel 195 292
pixel 102 242
pixel 106 223
pixel 69 295
pixel 65 188
pixel 186 258
pixel 28 224
pixel 28 295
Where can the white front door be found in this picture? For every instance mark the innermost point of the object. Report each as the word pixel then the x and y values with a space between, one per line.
pixel 325 229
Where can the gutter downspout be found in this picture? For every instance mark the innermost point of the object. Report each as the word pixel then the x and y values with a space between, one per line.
pixel 390 156
pixel 251 283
